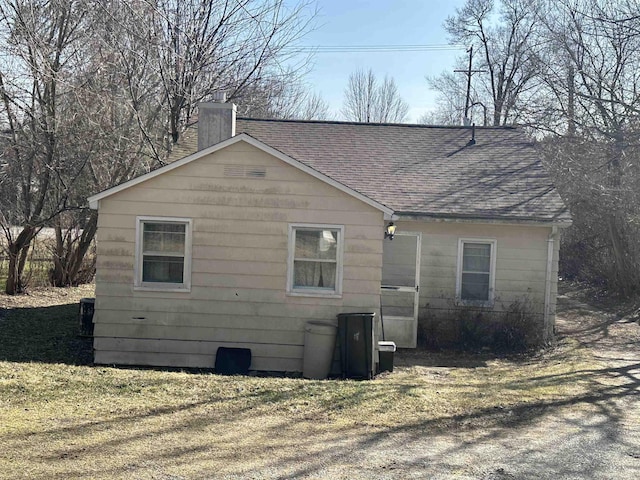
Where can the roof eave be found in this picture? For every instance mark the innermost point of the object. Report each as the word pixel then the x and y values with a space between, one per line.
pixel 487 219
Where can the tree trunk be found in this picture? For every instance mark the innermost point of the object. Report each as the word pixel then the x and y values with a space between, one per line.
pixel 76 275
pixel 69 254
pixel 14 283
pixel 58 276
pixel 18 251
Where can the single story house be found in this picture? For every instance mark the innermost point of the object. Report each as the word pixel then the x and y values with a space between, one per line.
pixel 268 224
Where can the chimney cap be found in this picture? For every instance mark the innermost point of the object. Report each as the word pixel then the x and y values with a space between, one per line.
pixel 220 96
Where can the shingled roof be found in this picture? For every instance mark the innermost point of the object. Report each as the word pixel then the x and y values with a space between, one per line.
pixel 420 170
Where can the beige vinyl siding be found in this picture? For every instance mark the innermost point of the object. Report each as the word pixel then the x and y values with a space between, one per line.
pixel 520 273
pixel 239 264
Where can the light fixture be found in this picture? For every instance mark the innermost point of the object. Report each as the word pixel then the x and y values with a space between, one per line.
pixel 390 231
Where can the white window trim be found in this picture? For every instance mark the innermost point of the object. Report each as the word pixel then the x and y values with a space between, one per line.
pixel 185 286
pixel 309 292
pixel 492 272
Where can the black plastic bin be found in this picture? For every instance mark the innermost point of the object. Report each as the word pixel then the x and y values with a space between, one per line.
pixel 87 307
pixel 233 361
pixel 355 331
pixel 386 351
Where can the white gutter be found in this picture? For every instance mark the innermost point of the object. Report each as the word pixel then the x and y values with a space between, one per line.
pixel 547 290
pixel 485 221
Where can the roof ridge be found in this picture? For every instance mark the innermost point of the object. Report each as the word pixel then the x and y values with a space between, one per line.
pixel 372 124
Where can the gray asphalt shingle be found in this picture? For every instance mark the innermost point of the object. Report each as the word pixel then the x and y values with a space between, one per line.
pixel 421 170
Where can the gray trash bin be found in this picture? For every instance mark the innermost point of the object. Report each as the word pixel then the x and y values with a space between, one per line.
pixel 319 345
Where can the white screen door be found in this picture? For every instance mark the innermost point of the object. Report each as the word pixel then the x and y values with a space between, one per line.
pixel 400 292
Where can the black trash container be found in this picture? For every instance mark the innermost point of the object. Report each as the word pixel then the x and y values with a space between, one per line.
pixel 87 307
pixel 385 353
pixel 355 331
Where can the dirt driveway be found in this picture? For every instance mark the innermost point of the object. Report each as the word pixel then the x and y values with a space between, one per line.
pixel 594 436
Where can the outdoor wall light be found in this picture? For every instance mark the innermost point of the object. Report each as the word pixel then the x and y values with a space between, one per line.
pixel 390 231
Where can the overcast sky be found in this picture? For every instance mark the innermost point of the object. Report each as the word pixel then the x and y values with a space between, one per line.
pixel 382 22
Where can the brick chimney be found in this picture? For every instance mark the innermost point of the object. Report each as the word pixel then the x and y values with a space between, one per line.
pixel 216 122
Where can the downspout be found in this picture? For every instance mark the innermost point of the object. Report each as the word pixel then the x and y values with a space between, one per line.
pixel 547 291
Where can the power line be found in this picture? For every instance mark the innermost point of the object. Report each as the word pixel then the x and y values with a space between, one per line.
pixel 375 48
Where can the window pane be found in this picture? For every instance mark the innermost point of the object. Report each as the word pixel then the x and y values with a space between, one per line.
pixel 476 257
pixel 475 286
pixel 320 244
pixel 162 269
pixel 164 237
pixel 314 275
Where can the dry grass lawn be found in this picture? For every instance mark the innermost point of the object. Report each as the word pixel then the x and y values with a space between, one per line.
pixel 62 418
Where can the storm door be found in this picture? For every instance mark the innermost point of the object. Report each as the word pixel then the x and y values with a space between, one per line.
pixel 400 292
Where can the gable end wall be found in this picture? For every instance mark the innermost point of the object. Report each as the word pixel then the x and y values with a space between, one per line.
pixel 239 267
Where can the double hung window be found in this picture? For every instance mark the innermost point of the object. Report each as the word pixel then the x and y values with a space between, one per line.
pixel 476 271
pixel 315 260
pixel 163 253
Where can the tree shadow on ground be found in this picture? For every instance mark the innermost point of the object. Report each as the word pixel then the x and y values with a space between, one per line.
pixel 446 359
pixel 44 334
pixel 599 326
pixel 311 454
pixel 591 420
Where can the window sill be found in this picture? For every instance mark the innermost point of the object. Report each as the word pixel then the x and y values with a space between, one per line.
pixel 314 294
pixel 161 288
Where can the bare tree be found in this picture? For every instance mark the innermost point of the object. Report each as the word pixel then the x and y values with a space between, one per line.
pixel 368 100
pixel 593 77
pixel 314 107
pixel 283 98
pixel 360 96
pixel 40 41
pixel 507 60
pixel 219 45
pixel 100 104
pixel 390 108
pixel 116 130
pixel 450 101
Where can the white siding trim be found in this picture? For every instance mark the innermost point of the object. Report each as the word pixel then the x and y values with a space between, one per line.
pixel 243 137
pixel 492 271
pixel 137 265
pixel 337 293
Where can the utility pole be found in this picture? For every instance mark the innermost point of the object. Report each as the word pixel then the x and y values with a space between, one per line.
pixel 467 105
pixel 571 112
